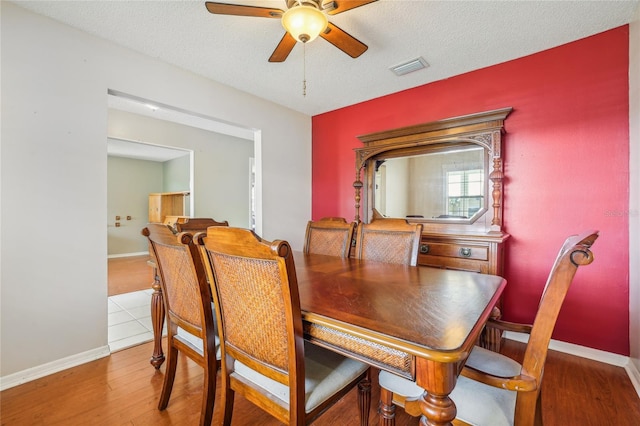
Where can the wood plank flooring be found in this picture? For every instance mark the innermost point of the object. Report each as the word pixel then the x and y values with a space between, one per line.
pixel 127 274
pixel 123 389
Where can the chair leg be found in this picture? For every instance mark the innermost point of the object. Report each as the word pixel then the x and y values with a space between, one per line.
pixel 386 408
pixel 538 417
pixel 364 398
pixel 169 376
pixel 228 395
pixel 209 396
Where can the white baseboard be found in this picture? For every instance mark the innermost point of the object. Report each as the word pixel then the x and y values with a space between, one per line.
pixel 589 353
pixel 34 373
pixel 140 253
pixel 634 375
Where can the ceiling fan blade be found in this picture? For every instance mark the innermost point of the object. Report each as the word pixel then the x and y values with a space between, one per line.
pixel 343 41
pixel 339 6
pixel 240 10
pixel 283 49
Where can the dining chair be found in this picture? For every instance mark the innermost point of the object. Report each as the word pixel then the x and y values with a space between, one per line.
pixel 191 326
pixel 493 389
pixel 389 240
pixel 175 224
pixel 331 236
pixel 198 224
pixel 264 355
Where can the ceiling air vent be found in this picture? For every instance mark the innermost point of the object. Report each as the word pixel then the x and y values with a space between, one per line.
pixel 409 66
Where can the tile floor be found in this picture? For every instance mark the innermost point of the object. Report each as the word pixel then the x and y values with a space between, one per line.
pixel 130 320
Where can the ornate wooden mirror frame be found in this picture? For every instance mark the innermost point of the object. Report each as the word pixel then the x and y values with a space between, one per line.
pixel 483 129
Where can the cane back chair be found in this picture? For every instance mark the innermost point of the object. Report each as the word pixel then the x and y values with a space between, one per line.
pixel 331 236
pixel 191 328
pixel 198 224
pixel 264 355
pixel 494 390
pixel 389 240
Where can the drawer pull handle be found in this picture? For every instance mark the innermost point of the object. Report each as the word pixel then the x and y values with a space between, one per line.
pixel 424 248
pixel 465 252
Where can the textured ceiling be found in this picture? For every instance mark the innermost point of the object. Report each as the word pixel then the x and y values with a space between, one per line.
pixel 454 37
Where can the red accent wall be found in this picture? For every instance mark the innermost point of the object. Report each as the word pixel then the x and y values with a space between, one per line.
pixel 566 164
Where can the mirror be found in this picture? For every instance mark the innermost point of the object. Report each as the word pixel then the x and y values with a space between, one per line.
pixel 445 184
pixel 446 174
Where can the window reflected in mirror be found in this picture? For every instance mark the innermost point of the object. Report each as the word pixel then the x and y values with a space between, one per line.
pixel 440 185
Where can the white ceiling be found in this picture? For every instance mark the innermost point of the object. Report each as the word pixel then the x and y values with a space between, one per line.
pixel 454 37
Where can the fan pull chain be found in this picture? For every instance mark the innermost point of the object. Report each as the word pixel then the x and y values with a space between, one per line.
pixel 304 69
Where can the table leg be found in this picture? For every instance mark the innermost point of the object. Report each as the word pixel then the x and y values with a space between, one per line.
pixel 438 379
pixel 491 337
pixel 157 320
pixel 386 408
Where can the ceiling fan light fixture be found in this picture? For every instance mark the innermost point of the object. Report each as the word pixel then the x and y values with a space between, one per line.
pixel 304 23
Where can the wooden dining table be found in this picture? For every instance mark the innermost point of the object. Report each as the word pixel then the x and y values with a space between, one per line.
pixel 415 321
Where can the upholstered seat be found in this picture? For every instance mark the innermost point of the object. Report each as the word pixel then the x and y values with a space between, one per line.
pixel 264 356
pixel 191 329
pixel 493 389
pixel 325 371
pixel 331 236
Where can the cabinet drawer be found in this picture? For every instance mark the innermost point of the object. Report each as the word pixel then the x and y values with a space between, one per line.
pixel 454 250
pixel 456 263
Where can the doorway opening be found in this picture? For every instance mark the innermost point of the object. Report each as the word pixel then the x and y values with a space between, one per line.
pixel 187 140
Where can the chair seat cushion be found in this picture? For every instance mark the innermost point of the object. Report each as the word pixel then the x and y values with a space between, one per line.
pixel 493 363
pixel 326 372
pixel 196 342
pixel 478 404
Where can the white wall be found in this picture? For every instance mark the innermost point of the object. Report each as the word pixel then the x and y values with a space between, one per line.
pixel 634 192
pixel 54 176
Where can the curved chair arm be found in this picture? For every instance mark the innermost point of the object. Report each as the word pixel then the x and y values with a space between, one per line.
pixel 510 326
pixel 519 383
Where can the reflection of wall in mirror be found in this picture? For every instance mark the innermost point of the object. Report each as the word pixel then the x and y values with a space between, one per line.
pixel 381 190
pixel 392 192
pixel 426 186
pixel 417 186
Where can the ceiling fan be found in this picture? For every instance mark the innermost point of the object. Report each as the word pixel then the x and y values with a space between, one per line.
pixel 304 20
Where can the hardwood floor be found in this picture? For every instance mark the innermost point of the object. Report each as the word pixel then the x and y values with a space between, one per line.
pixel 123 389
pixel 127 274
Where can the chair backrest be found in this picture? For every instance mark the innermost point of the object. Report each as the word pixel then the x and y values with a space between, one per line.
pixel 257 303
pixel 198 224
pixel 575 252
pixel 389 240
pixel 172 221
pixel 330 235
pixel 186 293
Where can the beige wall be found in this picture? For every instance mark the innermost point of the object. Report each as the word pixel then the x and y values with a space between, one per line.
pixel 54 91
pixel 129 183
pixel 176 174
